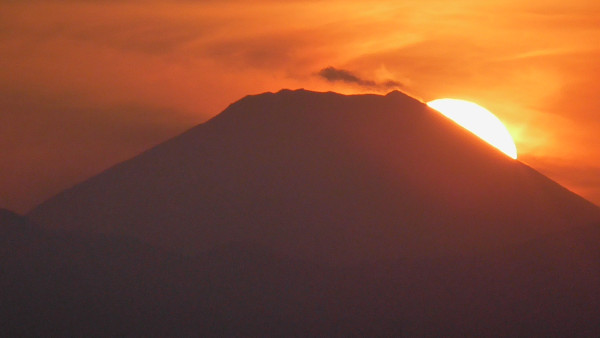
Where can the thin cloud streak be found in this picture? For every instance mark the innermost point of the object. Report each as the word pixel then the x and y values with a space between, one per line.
pixel 332 74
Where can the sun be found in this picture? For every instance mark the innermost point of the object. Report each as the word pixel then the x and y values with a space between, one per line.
pixel 479 121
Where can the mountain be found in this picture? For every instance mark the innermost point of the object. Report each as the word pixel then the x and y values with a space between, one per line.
pixel 308 214
pixel 326 178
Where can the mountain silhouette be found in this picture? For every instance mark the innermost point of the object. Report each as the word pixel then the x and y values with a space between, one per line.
pixel 324 177
pixel 302 213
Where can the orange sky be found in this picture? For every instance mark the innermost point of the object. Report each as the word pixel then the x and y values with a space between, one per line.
pixel 85 84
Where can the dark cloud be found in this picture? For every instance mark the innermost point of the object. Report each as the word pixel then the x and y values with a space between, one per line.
pixel 332 74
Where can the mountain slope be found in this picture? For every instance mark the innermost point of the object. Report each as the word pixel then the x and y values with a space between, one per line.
pixel 325 177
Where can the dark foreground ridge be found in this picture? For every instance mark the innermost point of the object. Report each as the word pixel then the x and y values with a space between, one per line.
pixel 60 283
pixel 308 214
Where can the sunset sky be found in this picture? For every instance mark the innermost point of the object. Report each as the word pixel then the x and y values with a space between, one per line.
pixel 87 84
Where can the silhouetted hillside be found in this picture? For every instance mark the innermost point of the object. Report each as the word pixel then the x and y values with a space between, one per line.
pixel 58 283
pixel 64 283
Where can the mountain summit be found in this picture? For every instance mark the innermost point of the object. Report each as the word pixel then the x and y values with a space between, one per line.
pixel 324 177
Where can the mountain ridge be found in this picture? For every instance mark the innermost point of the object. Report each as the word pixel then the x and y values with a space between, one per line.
pixel 323 176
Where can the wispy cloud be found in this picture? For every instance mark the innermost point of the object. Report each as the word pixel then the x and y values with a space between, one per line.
pixel 332 74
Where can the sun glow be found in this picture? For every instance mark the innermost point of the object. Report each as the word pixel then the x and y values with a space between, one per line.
pixel 479 121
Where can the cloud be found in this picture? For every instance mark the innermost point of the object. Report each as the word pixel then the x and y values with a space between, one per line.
pixel 332 74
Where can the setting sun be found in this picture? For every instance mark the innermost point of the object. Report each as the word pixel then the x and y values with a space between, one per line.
pixel 479 121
